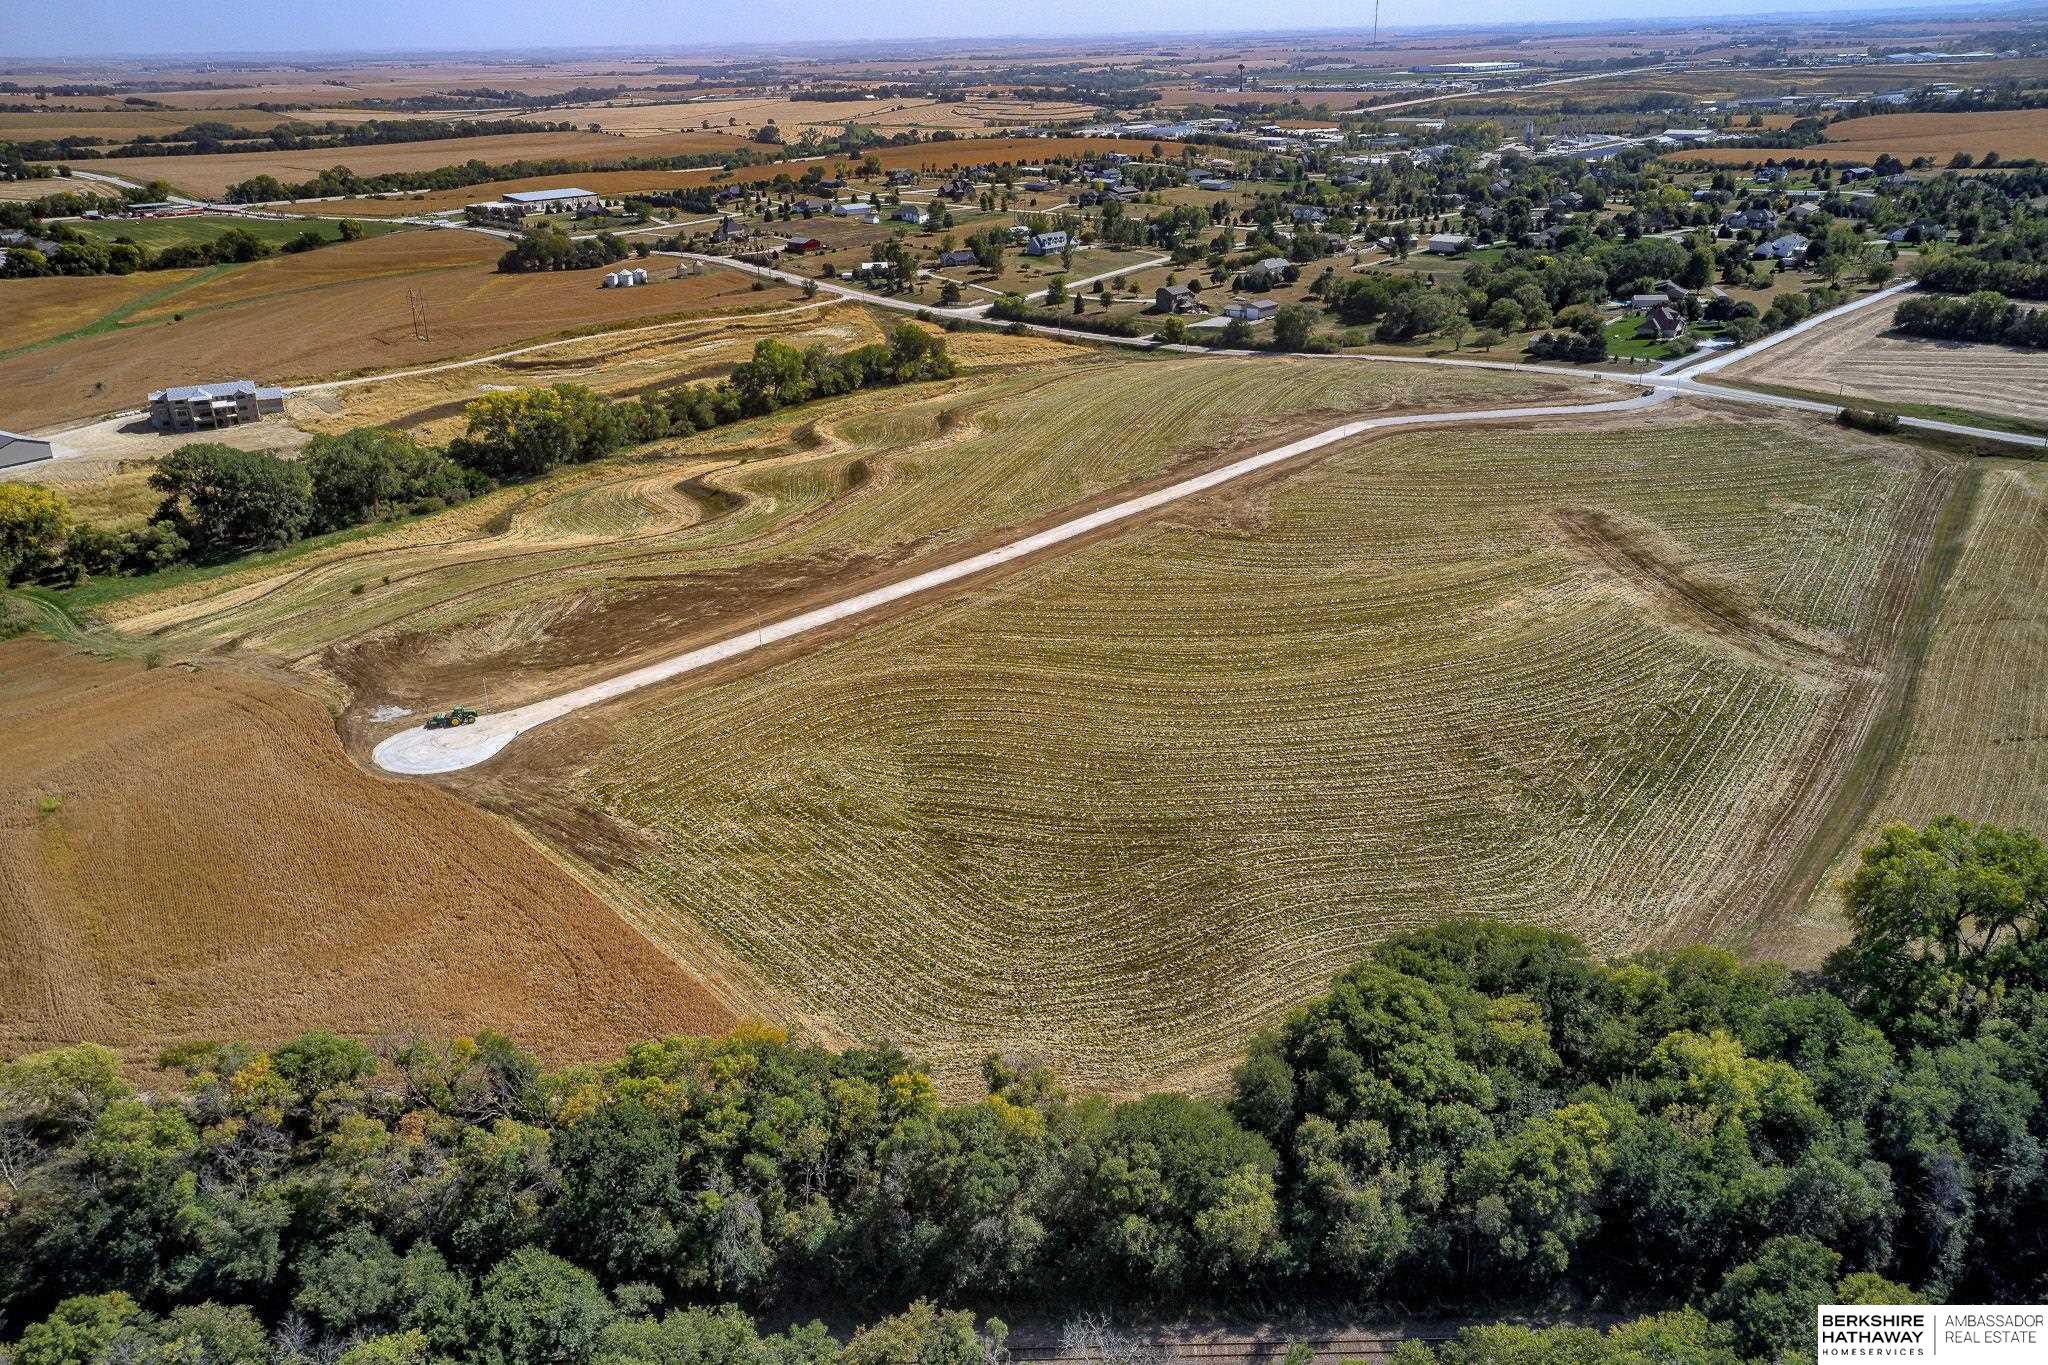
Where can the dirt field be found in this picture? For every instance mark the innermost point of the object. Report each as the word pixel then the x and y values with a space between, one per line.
pixel 189 855
pixel 2010 133
pixel 209 176
pixel 1976 736
pixel 340 310
pixel 1856 357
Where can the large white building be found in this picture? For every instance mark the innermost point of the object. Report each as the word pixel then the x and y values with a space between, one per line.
pixel 519 203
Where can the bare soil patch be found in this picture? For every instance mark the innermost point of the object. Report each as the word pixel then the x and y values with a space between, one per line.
pixel 189 854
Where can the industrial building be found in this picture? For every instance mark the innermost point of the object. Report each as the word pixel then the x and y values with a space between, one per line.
pixel 519 203
pixel 208 407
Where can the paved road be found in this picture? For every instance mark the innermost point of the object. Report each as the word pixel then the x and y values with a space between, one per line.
pixel 421 751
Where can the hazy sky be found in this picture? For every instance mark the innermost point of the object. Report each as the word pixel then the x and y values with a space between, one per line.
pixel 108 28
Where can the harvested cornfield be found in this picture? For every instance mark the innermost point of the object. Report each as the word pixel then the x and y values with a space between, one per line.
pixel 1975 738
pixel 1860 357
pixel 1117 808
pixel 188 854
pixel 209 176
pixel 343 309
pixel 534 588
pixel 2012 133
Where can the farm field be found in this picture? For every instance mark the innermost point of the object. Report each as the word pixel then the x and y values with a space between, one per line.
pixel 532 588
pixel 146 811
pixel 1975 739
pixel 925 158
pixel 1118 807
pixel 37 309
pixel 978 116
pixel 2009 132
pixel 209 176
pixel 339 310
pixel 1859 358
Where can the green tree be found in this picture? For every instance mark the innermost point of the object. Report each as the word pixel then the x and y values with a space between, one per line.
pixel 527 432
pixel 78 1332
pixel 1945 920
pixel 1292 323
pixel 1769 1302
pixel 227 501
pixel 33 522
pixel 537 1309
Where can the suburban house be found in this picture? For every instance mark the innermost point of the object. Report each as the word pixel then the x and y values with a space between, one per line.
pixel 813 207
pixel 1661 323
pixel 1789 247
pixel 1751 220
pixel 1643 301
pixel 1306 213
pixel 1448 244
pixel 207 407
pixel 730 231
pixel 1211 182
pixel 1267 273
pixel 959 255
pixel 1770 175
pixel 1672 290
pixel 1174 298
pixel 912 213
pixel 1046 244
pixel 1250 310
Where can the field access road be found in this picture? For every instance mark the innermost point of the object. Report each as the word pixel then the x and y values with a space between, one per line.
pixel 421 751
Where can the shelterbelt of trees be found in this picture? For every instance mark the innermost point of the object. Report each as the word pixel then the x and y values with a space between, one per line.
pixel 220 502
pixel 1478 1117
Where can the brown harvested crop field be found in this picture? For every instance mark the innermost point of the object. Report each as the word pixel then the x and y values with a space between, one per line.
pixel 1858 357
pixel 188 854
pixel 1976 735
pixel 55 304
pixel 930 157
pixel 2009 132
pixel 134 122
pixel 210 176
pixel 793 117
pixel 343 310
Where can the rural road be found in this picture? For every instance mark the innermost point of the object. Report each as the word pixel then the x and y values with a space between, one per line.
pixel 420 751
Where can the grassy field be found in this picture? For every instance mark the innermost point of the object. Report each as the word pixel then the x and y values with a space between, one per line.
pixel 1115 809
pixel 158 233
pixel 339 310
pixel 54 305
pixel 147 810
pixel 1975 742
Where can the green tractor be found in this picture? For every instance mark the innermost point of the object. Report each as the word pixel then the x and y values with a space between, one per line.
pixel 460 715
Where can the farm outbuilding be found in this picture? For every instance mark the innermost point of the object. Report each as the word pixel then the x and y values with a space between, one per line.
pixel 20 450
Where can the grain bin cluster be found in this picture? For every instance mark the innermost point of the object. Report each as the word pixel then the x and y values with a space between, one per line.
pixel 625 279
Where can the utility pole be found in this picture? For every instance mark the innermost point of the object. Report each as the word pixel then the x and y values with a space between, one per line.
pixel 1375 23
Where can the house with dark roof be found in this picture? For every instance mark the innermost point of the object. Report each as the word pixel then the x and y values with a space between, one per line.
pixel 1661 323
pixel 1174 298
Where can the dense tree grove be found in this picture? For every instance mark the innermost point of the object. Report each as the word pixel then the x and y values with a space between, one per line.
pixel 1983 316
pixel 221 502
pixel 1478 1116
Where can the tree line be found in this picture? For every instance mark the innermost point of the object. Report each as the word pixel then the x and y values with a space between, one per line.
pixel 1479 1117
pixel 220 502
pixel 85 253
pixel 1983 316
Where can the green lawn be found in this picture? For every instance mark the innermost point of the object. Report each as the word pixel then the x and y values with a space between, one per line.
pixel 158 233
pixel 1622 341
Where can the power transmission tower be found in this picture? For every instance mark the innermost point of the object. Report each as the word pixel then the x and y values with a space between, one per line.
pixel 1375 23
pixel 419 314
